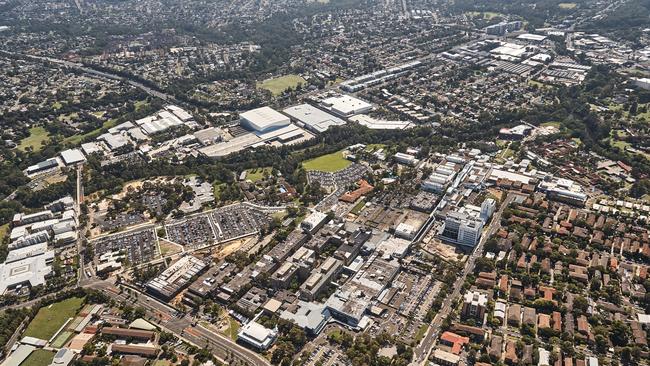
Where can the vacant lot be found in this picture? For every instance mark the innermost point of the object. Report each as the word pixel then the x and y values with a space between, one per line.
pixel 37 135
pixel 327 163
pixel 39 357
pixel 50 318
pixel 278 85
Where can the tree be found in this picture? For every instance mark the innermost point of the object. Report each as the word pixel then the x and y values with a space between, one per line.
pixel 618 333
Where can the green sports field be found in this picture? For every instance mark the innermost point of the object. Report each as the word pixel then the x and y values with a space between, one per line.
pixel 50 318
pixel 39 357
pixel 327 163
pixel 278 85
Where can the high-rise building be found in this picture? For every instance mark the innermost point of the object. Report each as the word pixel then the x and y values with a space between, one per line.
pixel 487 209
pixel 462 229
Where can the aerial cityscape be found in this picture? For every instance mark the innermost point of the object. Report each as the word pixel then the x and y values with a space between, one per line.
pixel 324 182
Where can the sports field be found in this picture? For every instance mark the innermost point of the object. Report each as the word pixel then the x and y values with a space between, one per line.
pixel 50 318
pixel 327 163
pixel 35 139
pixel 278 85
pixel 61 339
pixel 39 357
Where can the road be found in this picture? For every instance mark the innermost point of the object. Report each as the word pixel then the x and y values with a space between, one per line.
pixel 82 231
pixel 423 350
pixel 167 318
pixel 89 70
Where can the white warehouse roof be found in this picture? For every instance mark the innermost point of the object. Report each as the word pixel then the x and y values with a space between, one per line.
pixel 313 118
pixel 72 156
pixel 264 119
pixel 345 105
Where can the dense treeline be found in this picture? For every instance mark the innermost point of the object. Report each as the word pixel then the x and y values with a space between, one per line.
pixel 10 320
pixel 579 120
pixel 626 21
pixel 11 178
pixel 287 160
pixel 534 11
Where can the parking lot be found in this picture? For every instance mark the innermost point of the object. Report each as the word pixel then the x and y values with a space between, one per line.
pixel 216 226
pixel 140 245
pixel 237 220
pixel 194 231
pixel 341 178
pixel 120 220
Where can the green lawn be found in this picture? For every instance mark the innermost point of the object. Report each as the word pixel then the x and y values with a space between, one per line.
pixel 421 331
pixel 278 85
pixel 539 85
pixel 57 106
pixel 567 5
pixel 327 163
pixel 50 318
pixel 551 124
pixel 37 135
pixel 233 329
pixel 140 104
pixel 358 207
pixel 502 143
pixel 77 139
pixel 39 357
pixel 486 15
pixel 216 189
pixel 4 229
pixel 374 147
pixel 258 173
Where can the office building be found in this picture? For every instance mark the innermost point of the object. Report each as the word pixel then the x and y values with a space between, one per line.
pixel 310 316
pixel 462 229
pixel 313 222
pixel 564 190
pixel 320 279
pixel 29 265
pixel 257 335
pixel 176 277
pixel 406 159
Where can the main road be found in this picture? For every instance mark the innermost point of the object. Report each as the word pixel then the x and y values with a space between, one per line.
pixel 182 326
pixel 423 350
